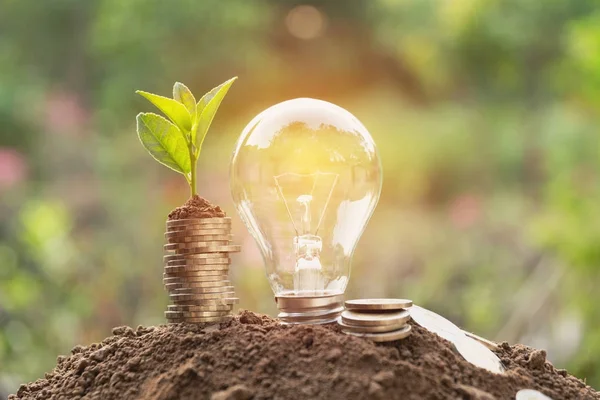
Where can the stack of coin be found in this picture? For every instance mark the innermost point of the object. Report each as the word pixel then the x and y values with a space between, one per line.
pixel 196 270
pixel 381 320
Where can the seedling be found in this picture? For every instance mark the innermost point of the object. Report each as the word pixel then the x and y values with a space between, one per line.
pixel 177 142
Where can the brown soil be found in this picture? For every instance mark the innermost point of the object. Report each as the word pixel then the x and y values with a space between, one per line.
pixel 197 207
pixel 254 357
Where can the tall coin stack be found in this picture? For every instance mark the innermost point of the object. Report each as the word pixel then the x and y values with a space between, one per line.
pixel 196 270
pixel 381 320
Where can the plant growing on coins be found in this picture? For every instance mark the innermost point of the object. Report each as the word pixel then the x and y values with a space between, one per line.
pixel 176 142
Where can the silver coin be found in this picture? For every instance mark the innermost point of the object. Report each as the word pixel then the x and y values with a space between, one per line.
pixel 478 355
pixel 370 329
pixel 218 289
pixel 487 343
pixel 530 394
pixel 377 304
pixel 436 323
pixel 383 337
pixel 375 319
pixel 200 221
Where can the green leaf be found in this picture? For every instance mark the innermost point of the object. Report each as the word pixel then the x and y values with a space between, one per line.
pixel 172 109
pixel 183 95
pixel 207 108
pixel 164 142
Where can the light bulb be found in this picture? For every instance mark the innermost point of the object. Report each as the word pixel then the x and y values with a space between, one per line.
pixel 305 179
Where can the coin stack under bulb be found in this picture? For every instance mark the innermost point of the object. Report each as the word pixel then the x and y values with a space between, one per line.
pixel 380 320
pixel 196 274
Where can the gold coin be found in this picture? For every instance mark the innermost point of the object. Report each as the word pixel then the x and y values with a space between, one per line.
pixel 195 314
pixel 198 228
pixel 210 256
pixel 200 296
pixel 375 319
pixel 201 278
pixel 201 242
pixel 195 272
pixel 198 320
pixel 191 285
pixel 377 304
pixel 200 221
pixel 220 289
pixel 370 329
pixel 208 302
pixel 184 236
pixel 189 268
pixel 383 337
pixel 198 232
pixel 196 245
pixel 194 249
pixel 194 279
pixel 195 263
pixel 215 307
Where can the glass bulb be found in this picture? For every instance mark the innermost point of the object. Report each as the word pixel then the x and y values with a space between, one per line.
pixel 305 179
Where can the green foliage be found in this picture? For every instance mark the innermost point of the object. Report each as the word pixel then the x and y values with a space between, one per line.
pixel 164 142
pixel 176 146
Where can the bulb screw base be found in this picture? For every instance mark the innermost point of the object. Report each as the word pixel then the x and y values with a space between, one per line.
pixel 321 309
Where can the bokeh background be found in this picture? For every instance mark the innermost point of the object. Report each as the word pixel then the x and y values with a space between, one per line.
pixel 486 114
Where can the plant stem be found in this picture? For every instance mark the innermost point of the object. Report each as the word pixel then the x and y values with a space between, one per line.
pixel 193 160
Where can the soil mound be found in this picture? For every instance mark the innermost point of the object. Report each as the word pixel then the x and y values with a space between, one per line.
pixel 196 207
pixel 254 357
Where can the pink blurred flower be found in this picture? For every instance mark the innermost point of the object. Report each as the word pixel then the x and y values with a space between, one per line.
pixel 465 211
pixel 64 113
pixel 13 167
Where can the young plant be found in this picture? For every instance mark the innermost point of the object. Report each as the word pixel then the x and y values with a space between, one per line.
pixel 177 143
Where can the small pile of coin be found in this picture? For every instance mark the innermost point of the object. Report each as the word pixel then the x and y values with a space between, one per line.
pixel 196 270
pixel 381 320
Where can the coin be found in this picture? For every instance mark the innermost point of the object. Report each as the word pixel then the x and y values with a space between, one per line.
pixel 377 304
pixel 530 394
pixel 210 257
pixel 199 221
pixel 183 236
pixel 208 302
pixel 218 289
pixel 193 248
pixel 487 343
pixel 369 329
pixel 198 261
pixel 383 337
pixel 214 279
pixel 436 323
pixel 190 285
pixel 195 263
pixel 197 320
pixel 199 243
pixel 194 277
pixel 174 269
pixel 375 319
pixel 195 314
pixel 214 307
pixel 200 296
pixel 198 232
pixel 295 303
pixel 478 355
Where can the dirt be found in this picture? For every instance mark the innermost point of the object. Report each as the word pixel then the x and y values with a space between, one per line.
pixel 254 357
pixel 196 207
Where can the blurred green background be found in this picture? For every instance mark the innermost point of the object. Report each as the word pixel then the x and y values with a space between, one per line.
pixel 486 114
